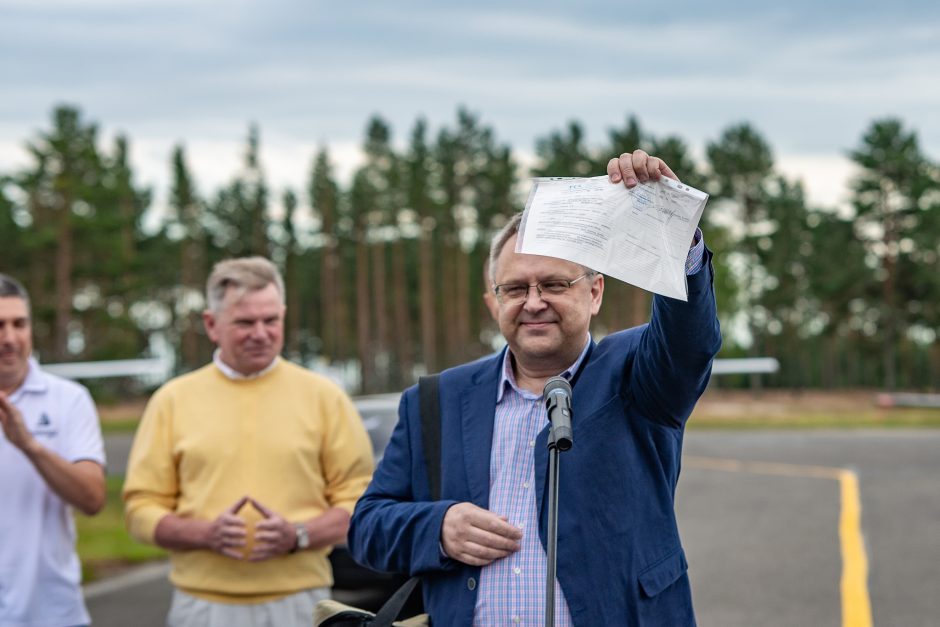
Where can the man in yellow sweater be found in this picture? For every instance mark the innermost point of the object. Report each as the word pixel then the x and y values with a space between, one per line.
pixel 247 469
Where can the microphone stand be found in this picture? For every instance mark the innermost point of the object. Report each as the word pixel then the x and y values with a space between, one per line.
pixel 554 452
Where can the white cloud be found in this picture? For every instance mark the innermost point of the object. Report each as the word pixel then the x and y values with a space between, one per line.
pixel 312 74
pixel 825 177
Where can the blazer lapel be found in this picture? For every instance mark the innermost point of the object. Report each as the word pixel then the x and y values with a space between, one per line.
pixel 541 480
pixel 541 452
pixel 478 411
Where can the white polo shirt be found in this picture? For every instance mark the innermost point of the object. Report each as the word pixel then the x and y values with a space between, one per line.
pixel 40 574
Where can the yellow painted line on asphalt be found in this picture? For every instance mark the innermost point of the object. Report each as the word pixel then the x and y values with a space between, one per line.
pixel 856 602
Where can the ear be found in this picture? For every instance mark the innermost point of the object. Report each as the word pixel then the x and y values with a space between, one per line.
pixel 209 321
pixel 492 305
pixel 597 293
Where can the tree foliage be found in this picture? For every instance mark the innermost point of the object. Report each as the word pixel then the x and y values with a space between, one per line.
pixel 384 274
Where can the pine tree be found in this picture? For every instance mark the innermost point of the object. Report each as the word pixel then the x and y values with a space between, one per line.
pixel 239 218
pixel 563 153
pixel 60 186
pixel 324 199
pixel 361 196
pixel 741 166
pixel 13 252
pixel 111 282
pixel 188 232
pixel 292 283
pixel 418 189
pixel 888 193
pixel 461 156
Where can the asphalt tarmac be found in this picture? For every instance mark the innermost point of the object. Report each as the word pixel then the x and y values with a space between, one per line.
pixel 759 514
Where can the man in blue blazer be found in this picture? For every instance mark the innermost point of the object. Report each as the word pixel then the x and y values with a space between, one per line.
pixel 480 549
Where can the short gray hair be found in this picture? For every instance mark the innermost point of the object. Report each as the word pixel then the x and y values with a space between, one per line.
pixel 504 235
pixel 11 288
pixel 246 274
pixel 499 241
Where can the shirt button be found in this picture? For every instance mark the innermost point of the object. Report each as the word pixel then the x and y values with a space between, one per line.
pixel 531 443
pixel 516 619
pixel 471 584
pixel 525 485
pixel 517 570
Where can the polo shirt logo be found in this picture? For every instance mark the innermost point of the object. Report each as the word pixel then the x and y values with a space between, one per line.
pixel 44 426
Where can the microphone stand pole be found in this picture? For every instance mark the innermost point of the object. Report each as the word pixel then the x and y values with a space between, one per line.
pixel 552 541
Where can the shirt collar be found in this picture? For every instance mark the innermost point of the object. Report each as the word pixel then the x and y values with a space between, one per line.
pixel 35 381
pixel 508 377
pixel 234 375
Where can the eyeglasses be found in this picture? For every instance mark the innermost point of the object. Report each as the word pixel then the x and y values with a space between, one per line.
pixel 515 293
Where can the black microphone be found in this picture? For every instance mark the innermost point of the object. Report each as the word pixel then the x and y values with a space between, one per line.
pixel 557 395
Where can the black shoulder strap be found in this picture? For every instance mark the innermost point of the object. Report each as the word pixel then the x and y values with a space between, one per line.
pixel 389 611
pixel 430 405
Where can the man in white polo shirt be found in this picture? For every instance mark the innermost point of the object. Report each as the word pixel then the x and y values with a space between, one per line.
pixel 51 459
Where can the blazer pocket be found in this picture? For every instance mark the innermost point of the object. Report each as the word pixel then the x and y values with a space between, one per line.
pixel 664 573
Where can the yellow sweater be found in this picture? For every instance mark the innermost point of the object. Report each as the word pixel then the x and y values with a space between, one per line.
pixel 290 439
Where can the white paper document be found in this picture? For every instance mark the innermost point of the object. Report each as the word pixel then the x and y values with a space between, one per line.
pixel 640 235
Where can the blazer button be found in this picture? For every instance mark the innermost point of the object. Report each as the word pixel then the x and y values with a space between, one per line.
pixel 471 584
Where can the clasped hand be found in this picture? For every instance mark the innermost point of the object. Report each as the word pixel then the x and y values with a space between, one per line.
pixel 273 535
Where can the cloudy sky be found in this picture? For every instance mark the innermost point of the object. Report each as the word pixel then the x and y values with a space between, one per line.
pixel 810 75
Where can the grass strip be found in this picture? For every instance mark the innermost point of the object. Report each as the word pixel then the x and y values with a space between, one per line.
pixel 866 419
pixel 104 545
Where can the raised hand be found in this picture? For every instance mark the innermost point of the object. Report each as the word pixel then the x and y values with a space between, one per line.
pixel 631 167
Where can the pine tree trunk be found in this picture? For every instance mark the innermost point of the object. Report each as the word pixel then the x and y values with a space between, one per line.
pixel 192 275
pixel 449 304
pixel 426 289
pixel 126 207
pixel 888 297
pixel 404 366
pixel 363 340
pixel 331 302
pixel 462 285
pixel 381 313
pixel 292 288
pixel 934 353
pixel 63 278
pixel 39 287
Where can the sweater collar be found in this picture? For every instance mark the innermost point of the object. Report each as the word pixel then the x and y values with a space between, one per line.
pixel 234 375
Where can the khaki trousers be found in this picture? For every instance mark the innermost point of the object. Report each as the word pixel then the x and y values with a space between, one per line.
pixel 295 610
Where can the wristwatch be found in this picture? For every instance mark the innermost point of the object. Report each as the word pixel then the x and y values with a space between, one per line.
pixel 303 538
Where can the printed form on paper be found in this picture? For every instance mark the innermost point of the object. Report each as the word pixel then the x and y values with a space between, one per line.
pixel 640 235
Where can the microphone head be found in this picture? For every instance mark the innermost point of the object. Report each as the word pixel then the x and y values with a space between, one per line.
pixel 556 384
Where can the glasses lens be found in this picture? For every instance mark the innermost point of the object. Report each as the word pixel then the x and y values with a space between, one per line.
pixel 512 293
pixel 555 287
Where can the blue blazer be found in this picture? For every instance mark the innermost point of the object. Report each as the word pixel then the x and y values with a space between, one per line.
pixel 620 561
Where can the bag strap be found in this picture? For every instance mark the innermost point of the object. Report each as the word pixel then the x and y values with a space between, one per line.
pixel 430 405
pixel 430 408
pixel 389 612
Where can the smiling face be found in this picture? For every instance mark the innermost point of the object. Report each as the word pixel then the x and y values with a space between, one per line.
pixel 248 328
pixel 546 335
pixel 16 342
